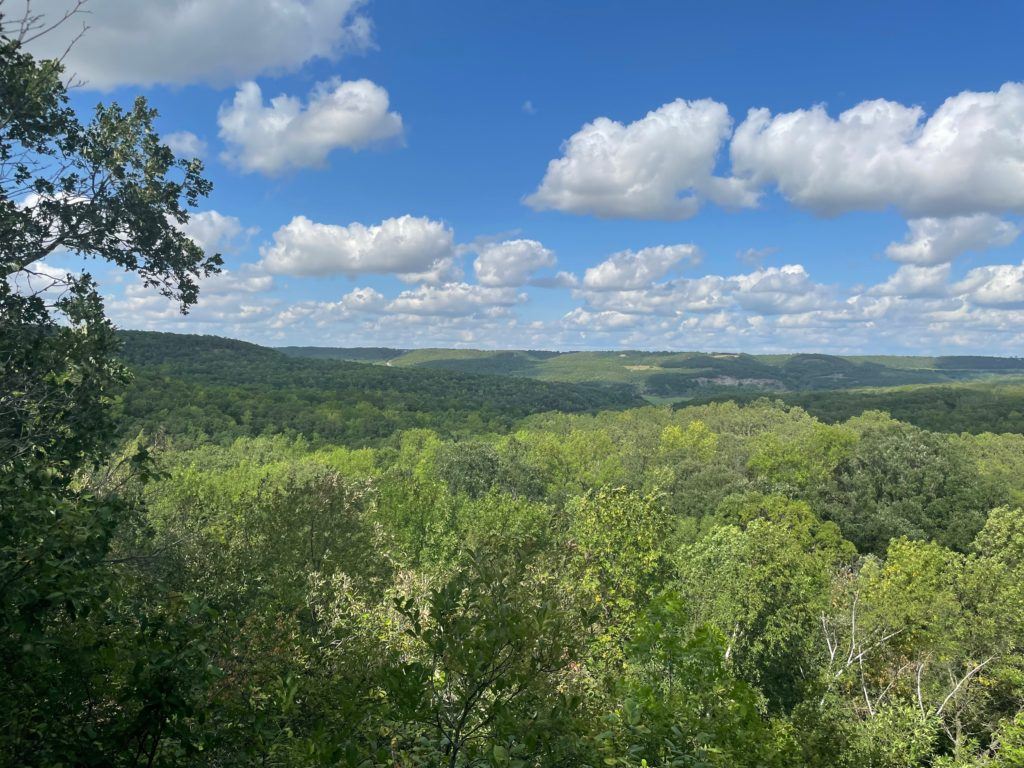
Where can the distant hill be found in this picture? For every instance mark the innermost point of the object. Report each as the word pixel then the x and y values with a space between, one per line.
pixel 355 354
pixel 203 386
pixel 661 376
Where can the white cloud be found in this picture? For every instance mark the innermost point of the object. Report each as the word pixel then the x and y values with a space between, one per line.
pixel 214 232
pixel 230 303
pixel 359 303
pixel 444 270
pixel 247 279
pixel 185 144
pixel 287 135
pixel 671 298
pixel 511 263
pixel 967 157
pixel 996 286
pixel 659 167
pixel 770 291
pixel 454 299
pixel 628 270
pixel 528 107
pixel 936 241
pixel 916 280
pixel 606 320
pixel 363 300
pixel 402 245
pixel 136 42
pixel 780 291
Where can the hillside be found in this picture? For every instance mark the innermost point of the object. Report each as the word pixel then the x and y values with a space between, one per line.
pixel 354 354
pixel 205 386
pixel 992 405
pixel 672 375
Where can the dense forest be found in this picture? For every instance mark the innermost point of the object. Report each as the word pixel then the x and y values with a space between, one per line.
pixel 203 385
pixel 718 584
pixel 688 375
pixel 216 554
pixel 734 585
pixel 994 405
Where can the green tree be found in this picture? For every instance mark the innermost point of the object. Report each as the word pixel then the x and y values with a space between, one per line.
pixel 679 702
pixel 762 577
pixel 105 189
pixel 491 646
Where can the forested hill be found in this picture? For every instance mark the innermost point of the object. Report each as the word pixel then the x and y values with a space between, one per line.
pixel 355 354
pixel 207 386
pixel 677 375
pixel 993 405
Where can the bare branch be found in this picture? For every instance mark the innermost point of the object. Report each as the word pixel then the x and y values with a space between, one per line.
pixel 920 698
pixel 31 26
pixel 960 684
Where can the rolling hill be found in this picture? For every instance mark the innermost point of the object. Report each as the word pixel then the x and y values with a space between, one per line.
pixel 204 386
pixel 660 376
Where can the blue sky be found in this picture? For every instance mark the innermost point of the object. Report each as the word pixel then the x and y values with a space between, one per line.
pixel 403 195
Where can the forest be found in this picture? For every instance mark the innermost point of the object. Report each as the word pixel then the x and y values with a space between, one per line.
pixel 684 375
pixel 218 554
pixel 496 580
pixel 200 386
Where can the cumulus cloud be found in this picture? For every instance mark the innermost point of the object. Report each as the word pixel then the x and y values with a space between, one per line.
pixel 246 279
pixel 997 286
pixel 444 270
pixel 937 241
pixel 966 158
pixel 671 298
pixel 511 263
pixel 627 270
pixel 223 313
pixel 401 245
pixel 185 144
pixel 286 134
pixel 780 290
pixel 659 167
pixel 916 280
pixel 455 299
pixel 231 302
pixel 214 232
pixel 178 42
pixel 605 320
pixel 771 291
pixel 363 300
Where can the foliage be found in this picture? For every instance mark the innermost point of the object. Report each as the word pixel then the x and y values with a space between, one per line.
pixel 100 663
pixel 195 388
pixel 250 558
pixel 812 378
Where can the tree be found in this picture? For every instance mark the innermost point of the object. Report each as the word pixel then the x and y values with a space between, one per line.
pixel 107 189
pixel 679 703
pixel 762 578
pixel 490 646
